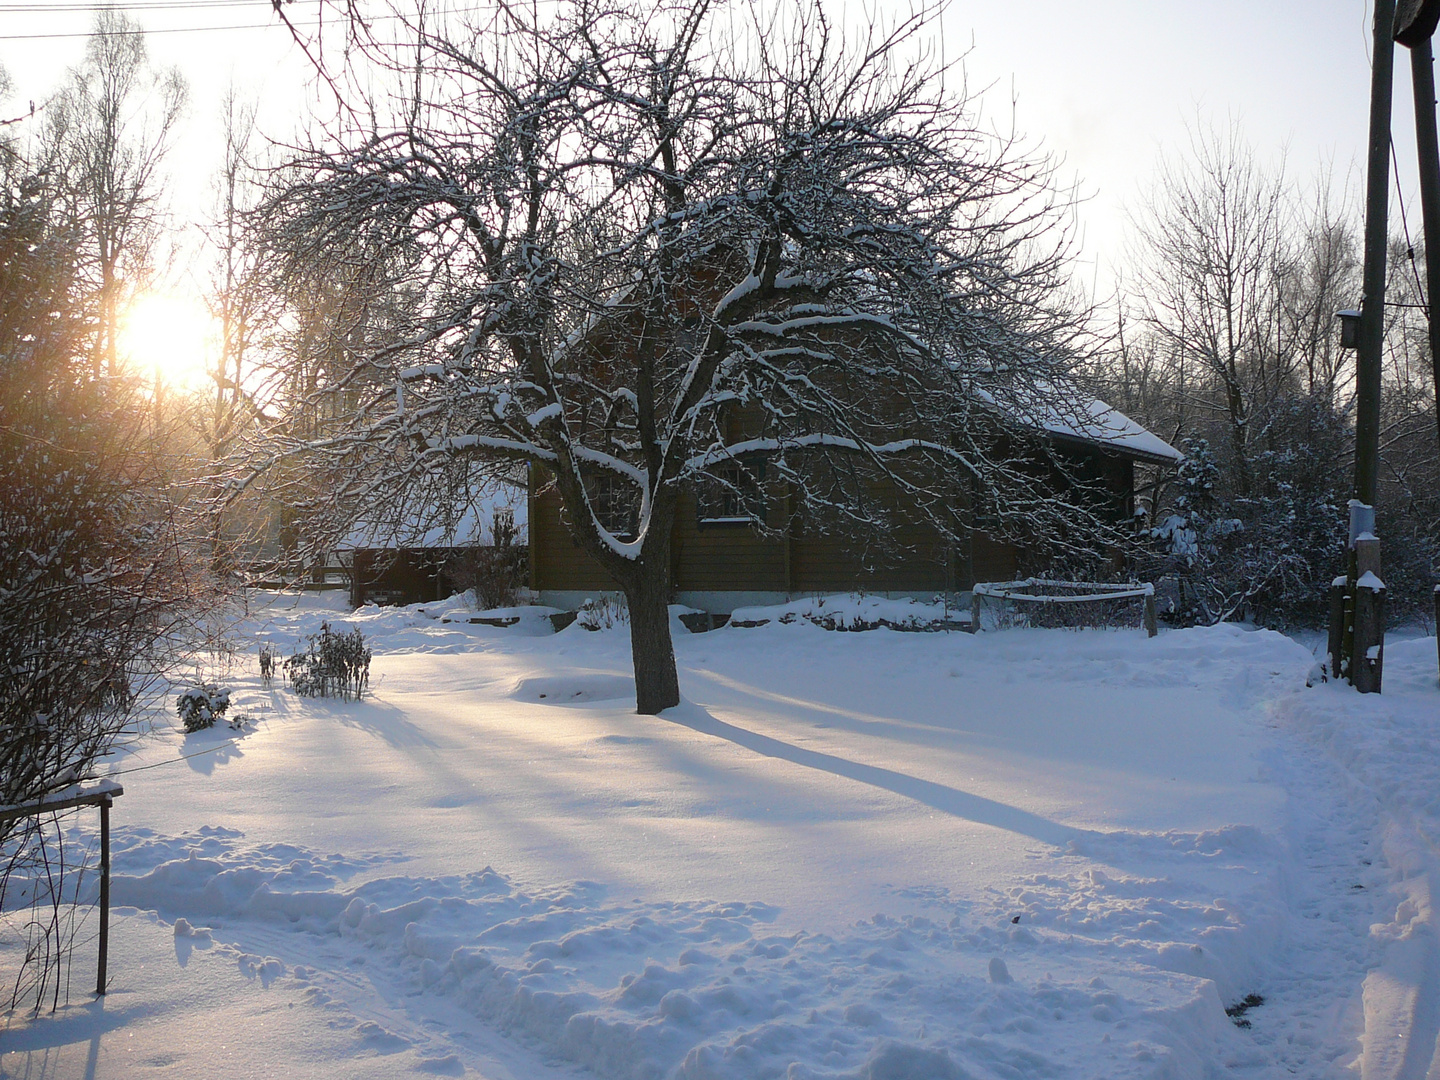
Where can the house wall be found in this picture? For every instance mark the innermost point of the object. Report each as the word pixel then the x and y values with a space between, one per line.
pixel 397 577
pixel 726 556
pixel 722 566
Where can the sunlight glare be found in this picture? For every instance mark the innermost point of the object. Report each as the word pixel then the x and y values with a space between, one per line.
pixel 170 336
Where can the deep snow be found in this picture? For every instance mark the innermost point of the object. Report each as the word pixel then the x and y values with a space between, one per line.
pixel 871 855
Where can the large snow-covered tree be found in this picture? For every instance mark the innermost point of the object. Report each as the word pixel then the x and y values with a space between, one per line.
pixel 642 248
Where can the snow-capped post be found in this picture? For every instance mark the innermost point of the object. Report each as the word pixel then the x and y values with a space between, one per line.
pixel 1360 637
pixel 1357 606
pixel 1335 650
pixel 1368 657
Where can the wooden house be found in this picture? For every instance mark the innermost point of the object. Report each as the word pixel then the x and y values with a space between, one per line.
pixel 720 561
pixel 422 556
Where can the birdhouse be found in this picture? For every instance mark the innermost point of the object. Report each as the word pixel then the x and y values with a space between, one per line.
pixel 1349 327
pixel 1415 21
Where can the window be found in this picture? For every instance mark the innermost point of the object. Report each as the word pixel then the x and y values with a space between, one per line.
pixel 983 511
pixel 733 493
pixel 616 503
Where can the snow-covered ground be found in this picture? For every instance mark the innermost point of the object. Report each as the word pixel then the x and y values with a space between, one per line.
pixel 879 856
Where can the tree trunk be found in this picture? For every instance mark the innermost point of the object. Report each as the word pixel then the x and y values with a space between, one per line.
pixel 657 686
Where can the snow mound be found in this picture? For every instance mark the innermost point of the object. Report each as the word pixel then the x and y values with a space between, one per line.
pixel 709 989
pixel 857 611
pixel 575 689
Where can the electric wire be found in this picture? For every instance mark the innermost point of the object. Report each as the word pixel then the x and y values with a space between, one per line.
pixel 138 5
pixel 172 761
pixel 187 5
pixel 1409 245
pixel 161 30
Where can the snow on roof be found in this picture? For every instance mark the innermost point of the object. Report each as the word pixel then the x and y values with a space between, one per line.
pixel 472 523
pixel 1096 422
pixel 1069 414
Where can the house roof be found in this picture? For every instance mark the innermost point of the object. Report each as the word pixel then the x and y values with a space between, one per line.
pixel 430 527
pixel 1075 417
pixel 1099 424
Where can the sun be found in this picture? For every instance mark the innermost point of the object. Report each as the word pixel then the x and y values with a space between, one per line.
pixel 169 335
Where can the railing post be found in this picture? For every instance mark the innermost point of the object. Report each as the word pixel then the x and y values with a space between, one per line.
pixel 1336 648
pixel 104 894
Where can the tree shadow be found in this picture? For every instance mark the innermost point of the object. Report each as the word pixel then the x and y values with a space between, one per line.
pixel 44 1040
pixel 948 800
pixel 377 718
pixel 205 749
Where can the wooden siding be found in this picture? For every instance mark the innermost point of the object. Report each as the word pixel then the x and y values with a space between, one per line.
pixel 794 559
pixel 555 560
pixel 726 556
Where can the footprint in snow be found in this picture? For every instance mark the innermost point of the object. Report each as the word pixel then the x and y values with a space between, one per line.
pixel 374 1037
pixel 449 1065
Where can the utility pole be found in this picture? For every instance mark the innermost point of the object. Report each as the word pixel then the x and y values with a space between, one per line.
pixel 1422 77
pixel 1415 22
pixel 1357 605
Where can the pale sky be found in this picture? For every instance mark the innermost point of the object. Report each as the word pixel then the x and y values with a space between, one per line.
pixel 1107 85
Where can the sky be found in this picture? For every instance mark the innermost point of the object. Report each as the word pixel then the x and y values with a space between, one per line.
pixel 1106 86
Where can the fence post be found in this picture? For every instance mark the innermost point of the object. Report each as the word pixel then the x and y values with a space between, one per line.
pixel 1151 629
pixel 104 894
pixel 1366 670
pixel 1437 622
pixel 1337 626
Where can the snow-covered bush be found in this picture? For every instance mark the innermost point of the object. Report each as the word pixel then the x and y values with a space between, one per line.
pixel 331 665
pixel 496 572
pixel 1266 552
pixel 200 706
pixel 94 578
pixel 604 612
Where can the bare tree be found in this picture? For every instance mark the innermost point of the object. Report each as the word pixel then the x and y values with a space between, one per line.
pixel 109 128
pixel 642 248
pixel 1236 349
pixel 1216 242
pixel 245 306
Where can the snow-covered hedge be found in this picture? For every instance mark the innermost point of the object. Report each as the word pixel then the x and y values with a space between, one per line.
pixel 200 706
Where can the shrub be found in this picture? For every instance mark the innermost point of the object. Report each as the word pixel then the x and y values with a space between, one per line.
pixel 267 662
pixel 331 665
pixel 604 612
pixel 495 571
pixel 200 706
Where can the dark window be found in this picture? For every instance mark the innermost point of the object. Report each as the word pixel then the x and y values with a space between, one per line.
pixel 732 493
pixel 616 503
pixel 688 338
pixel 983 510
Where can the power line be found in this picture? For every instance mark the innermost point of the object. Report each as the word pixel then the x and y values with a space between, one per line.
pixel 136 5
pixel 177 5
pixel 174 760
pixel 148 33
